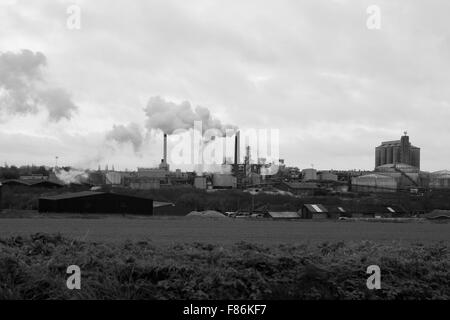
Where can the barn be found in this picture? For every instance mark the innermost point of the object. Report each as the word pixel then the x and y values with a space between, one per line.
pixel 96 202
pixel 314 211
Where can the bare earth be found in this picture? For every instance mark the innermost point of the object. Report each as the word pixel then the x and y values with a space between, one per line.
pixel 225 231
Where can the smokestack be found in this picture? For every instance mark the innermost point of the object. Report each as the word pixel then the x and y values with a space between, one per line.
pixel 237 147
pixel 165 149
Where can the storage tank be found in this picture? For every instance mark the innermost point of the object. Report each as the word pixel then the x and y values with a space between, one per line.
pixel 309 174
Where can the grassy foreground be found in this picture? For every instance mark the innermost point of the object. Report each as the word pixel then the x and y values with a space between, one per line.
pixel 35 268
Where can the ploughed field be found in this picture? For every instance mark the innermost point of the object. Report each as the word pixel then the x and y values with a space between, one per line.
pixel 222 231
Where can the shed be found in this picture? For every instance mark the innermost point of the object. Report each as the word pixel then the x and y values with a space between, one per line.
pixel 96 202
pixel 314 211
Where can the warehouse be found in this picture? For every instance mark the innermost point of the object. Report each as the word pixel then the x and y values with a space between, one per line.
pixel 96 202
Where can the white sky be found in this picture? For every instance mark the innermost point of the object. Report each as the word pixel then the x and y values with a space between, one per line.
pixel 311 69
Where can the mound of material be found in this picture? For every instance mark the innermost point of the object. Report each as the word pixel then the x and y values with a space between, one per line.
pixel 206 214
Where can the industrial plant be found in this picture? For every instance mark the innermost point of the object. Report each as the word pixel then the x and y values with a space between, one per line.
pixel 397 170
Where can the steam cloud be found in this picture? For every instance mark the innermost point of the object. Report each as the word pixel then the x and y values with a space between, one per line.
pixel 71 176
pixel 23 88
pixel 127 134
pixel 169 116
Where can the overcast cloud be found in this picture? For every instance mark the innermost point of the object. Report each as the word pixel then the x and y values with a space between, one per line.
pixel 312 69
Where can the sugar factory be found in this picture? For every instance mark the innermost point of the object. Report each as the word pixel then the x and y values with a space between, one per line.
pixel 397 170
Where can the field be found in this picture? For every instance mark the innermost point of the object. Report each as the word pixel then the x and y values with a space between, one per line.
pixel 197 258
pixel 222 231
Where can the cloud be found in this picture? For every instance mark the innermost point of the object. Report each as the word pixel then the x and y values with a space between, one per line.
pixel 130 133
pixel 169 116
pixel 24 90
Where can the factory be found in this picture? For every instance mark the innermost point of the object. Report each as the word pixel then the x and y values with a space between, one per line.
pixel 397 151
pixel 397 167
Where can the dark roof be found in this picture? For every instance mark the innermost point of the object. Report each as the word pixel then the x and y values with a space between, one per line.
pixel 30 182
pixel 87 194
pixel 316 208
pixel 73 195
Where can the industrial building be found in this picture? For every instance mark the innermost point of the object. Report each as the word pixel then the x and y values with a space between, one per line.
pixel 96 202
pixel 440 180
pixel 398 151
pixel 374 183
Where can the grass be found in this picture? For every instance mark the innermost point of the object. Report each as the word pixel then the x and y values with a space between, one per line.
pixel 34 267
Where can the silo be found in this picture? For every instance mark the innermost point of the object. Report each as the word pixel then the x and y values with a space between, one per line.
pixel 382 155
pixel 389 157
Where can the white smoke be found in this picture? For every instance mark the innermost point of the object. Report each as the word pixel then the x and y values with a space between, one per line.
pixel 169 116
pixel 76 176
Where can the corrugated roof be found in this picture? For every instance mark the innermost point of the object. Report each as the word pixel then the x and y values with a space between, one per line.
pixel 316 208
pixel 285 215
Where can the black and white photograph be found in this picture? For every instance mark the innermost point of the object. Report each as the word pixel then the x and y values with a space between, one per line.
pixel 220 156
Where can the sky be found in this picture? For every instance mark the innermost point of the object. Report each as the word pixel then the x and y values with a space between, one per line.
pixel 334 88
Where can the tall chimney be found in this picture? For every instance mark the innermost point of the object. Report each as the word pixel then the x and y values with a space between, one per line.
pixel 237 147
pixel 165 149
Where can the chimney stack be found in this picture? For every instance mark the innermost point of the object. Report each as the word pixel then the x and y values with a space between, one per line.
pixel 237 147
pixel 165 149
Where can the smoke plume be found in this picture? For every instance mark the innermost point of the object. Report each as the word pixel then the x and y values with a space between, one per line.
pixel 72 176
pixel 130 133
pixel 169 116
pixel 23 89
